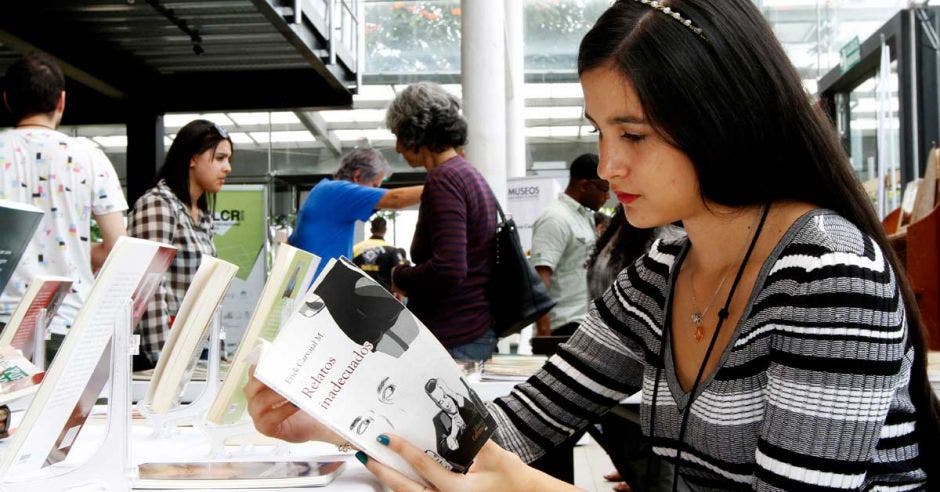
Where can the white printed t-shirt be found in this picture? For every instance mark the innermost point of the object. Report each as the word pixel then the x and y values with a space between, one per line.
pixel 70 180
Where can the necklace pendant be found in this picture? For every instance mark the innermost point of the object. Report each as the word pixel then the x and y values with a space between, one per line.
pixel 696 318
pixel 699 333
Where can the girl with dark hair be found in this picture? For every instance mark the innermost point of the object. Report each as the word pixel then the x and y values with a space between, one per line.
pixel 176 211
pixel 778 346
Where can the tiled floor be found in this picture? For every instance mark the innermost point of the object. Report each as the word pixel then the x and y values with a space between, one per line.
pixel 591 463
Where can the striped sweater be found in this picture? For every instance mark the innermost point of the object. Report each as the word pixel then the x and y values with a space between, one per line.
pixel 810 394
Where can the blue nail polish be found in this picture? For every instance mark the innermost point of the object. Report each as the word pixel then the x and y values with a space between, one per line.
pixel 383 439
pixel 362 457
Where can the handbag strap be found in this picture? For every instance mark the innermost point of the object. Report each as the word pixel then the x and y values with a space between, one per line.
pixel 499 209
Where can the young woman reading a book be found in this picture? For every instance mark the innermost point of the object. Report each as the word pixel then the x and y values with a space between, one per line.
pixel 778 346
pixel 176 212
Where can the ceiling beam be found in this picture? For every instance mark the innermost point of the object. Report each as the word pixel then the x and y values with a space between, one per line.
pixel 319 128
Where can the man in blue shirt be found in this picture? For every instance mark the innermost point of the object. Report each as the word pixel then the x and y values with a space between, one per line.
pixel 326 221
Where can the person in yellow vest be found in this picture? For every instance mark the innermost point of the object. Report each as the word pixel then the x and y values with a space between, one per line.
pixel 376 256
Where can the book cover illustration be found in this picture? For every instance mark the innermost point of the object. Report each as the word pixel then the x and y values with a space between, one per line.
pixel 353 357
pixel 18 377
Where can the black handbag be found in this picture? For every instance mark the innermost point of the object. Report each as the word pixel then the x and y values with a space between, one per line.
pixel 518 295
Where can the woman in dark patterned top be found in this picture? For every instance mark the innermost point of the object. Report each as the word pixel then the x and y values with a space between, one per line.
pixel 176 211
pixel 454 244
pixel 778 346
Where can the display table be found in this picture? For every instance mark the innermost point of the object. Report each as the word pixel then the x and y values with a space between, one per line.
pixel 189 444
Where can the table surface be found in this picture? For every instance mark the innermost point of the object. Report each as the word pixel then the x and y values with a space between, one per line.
pixel 190 444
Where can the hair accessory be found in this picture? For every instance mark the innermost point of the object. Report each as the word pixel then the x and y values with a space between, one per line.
pixel 658 5
pixel 221 131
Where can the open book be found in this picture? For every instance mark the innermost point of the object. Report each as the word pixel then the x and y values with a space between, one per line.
pixel 18 221
pixel 76 377
pixel 179 355
pixel 44 292
pixel 290 275
pixel 354 358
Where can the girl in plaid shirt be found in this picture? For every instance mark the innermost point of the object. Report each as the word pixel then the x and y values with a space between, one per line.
pixel 176 212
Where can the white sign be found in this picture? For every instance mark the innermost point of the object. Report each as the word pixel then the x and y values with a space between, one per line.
pixel 527 198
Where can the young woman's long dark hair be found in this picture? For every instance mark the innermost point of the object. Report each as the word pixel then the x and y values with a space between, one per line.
pixel 736 106
pixel 629 243
pixel 193 139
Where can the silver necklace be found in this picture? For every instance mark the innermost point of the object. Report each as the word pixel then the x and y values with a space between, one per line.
pixel 698 316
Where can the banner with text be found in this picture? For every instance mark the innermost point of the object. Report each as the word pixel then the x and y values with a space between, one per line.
pixel 527 198
pixel 239 225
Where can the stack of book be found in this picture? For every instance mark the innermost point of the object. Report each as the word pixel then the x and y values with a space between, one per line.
pixel 511 367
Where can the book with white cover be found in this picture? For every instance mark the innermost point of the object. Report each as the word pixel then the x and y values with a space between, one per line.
pixel 44 292
pixel 290 275
pixel 179 355
pixel 353 357
pixel 132 273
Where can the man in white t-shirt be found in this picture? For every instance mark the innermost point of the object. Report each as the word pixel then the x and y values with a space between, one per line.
pixel 71 180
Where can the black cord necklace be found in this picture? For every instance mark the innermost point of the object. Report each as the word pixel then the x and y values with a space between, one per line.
pixel 667 322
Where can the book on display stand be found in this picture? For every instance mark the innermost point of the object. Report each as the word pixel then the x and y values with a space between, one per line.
pixel 95 349
pixel 226 418
pixel 19 222
pixel 29 323
pixel 198 315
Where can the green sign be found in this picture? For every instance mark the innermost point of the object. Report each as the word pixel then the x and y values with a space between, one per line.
pixel 850 54
pixel 239 225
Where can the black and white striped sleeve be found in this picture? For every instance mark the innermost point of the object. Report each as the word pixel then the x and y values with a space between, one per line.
pixel 838 357
pixel 598 367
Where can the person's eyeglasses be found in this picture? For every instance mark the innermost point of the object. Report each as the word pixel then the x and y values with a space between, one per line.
pixel 221 131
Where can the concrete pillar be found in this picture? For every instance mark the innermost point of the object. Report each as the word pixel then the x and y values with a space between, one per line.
pixel 515 90
pixel 482 61
pixel 144 149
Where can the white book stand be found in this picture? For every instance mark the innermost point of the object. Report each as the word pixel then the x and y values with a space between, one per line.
pixel 109 467
pixel 243 431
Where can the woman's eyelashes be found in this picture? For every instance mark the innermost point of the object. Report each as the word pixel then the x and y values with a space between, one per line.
pixel 633 137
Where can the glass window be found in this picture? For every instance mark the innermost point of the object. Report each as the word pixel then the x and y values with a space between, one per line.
pixel 412 37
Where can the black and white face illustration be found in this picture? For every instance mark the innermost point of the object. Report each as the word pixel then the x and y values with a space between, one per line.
pixel 386 391
pixel 371 422
pixel 312 305
pixel 361 424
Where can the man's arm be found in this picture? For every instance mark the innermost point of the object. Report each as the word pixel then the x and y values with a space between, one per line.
pixel 543 327
pixel 400 197
pixel 112 227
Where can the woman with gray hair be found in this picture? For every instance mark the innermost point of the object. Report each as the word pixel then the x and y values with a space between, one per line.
pixel 454 242
pixel 326 221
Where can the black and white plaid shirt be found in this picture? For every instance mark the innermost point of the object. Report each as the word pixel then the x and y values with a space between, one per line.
pixel 160 216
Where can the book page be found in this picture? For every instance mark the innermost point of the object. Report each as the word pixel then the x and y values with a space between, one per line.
pixel 52 420
pixel 353 357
